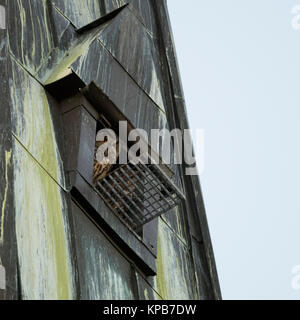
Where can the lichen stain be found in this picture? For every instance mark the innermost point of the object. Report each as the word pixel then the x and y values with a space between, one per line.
pixel 172 279
pixel 35 41
pixel 42 234
pixel 152 295
pixel 104 278
pixel 41 228
pixel 155 91
pixel 177 225
pixel 80 12
pixel 63 59
pixel 83 12
pixel 7 163
pixel 115 286
pixel 146 294
pixel 32 123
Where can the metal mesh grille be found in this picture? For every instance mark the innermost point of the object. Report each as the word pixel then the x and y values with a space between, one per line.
pixel 139 193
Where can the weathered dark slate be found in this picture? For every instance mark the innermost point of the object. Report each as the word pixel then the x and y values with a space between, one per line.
pixel 145 289
pixel 136 52
pixel 202 271
pixel 99 66
pixel 144 11
pixel 81 13
pixel 99 260
pixel 175 271
pixel 8 250
pixel 35 28
pixel 176 219
pixel 197 220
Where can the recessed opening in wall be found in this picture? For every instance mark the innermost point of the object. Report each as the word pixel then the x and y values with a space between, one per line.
pixel 123 199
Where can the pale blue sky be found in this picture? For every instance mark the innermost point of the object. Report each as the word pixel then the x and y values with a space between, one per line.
pixel 240 67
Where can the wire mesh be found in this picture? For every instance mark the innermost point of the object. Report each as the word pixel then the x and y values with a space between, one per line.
pixel 139 193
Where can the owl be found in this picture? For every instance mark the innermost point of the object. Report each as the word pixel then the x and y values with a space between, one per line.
pixel 103 167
